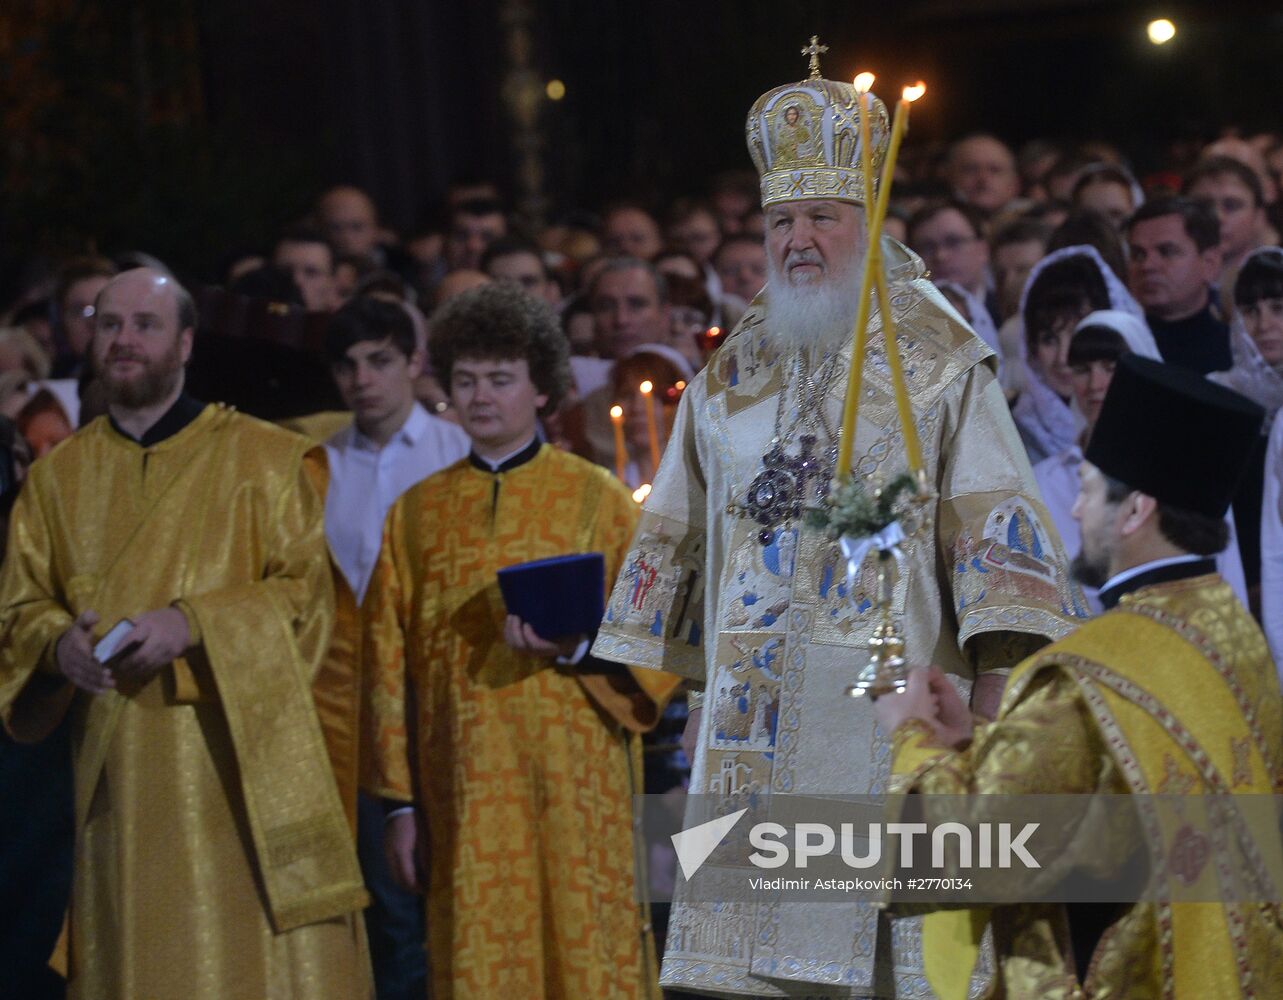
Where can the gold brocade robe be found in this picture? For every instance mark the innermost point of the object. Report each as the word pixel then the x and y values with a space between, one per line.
pixel 525 769
pixel 1171 693
pixel 337 688
pixel 212 860
pixel 761 618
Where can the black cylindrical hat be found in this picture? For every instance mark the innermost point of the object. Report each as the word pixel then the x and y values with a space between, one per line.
pixel 1174 435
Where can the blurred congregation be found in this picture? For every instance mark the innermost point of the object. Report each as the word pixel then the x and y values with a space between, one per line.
pixel 1057 256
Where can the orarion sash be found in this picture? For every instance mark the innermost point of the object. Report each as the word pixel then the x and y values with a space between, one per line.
pixel 302 840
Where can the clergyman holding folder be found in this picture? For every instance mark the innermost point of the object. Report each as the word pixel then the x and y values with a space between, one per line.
pixel 508 757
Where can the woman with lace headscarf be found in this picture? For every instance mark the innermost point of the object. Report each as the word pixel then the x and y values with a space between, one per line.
pixel 1099 340
pixel 1256 339
pixel 1256 344
pixel 1062 288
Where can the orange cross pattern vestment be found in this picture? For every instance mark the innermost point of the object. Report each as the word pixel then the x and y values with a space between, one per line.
pixel 524 768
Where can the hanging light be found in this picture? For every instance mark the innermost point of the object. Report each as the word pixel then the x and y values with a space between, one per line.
pixel 1160 31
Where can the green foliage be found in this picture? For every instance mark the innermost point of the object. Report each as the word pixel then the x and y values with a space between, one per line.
pixel 853 511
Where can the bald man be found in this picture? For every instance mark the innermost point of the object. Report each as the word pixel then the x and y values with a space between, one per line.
pixel 631 231
pixel 166 580
pixel 350 220
pixel 982 172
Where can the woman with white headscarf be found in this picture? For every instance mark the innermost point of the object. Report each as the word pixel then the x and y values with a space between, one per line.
pixel 1099 340
pixel 1256 343
pixel 1062 288
pixel 1256 339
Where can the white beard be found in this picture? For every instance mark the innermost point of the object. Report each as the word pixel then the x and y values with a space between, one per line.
pixel 818 314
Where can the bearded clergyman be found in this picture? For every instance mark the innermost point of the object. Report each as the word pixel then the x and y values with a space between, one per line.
pixel 167 584
pixel 725 585
pixel 1168 700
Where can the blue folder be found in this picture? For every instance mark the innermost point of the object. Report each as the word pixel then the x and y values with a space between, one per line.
pixel 557 597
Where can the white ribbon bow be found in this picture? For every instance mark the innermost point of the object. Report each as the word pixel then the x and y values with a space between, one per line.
pixel 855 549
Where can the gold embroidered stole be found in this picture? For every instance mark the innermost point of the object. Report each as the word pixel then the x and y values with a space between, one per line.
pixel 1180 721
pixel 301 836
pixel 296 818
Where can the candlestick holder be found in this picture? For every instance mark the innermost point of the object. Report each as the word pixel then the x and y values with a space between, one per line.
pixel 883 522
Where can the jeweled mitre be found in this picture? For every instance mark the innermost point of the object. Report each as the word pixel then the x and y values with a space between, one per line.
pixel 805 140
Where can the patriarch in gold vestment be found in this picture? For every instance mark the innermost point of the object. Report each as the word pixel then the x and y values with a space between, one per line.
pixel 726 585
pixel 1170 693
pixel 212 858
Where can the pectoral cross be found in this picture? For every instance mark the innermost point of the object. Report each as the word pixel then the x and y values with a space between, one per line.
pixel 815 50
pixel 782 490
pixel 807 466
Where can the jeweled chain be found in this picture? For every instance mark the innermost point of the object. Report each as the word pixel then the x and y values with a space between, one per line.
pixel 786 483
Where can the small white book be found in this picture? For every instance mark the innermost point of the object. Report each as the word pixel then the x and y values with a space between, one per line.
pixel 109 645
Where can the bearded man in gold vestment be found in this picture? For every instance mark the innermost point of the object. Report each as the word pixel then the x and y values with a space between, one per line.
pixel 213 859
pixel 1168 700
pixel 518 750
pixel 726 586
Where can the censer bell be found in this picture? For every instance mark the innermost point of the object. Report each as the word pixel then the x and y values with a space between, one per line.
pixel 887 669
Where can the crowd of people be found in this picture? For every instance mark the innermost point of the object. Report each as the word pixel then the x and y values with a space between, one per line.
pixel 1027 247
pixel 511 393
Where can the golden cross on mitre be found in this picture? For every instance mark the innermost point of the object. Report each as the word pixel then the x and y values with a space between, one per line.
pixel 815 50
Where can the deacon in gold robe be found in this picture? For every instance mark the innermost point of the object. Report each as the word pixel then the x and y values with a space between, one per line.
pixel 725 585
pixel 1170 693
pixel 519 750
pixel 212 857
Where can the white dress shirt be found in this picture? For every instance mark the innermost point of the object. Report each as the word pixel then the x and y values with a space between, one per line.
pixel 1127 574
pixel 366 480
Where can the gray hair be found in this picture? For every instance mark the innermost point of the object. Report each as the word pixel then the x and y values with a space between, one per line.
pixel 615 264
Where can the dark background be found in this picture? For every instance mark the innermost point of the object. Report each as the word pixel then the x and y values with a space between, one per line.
pixel 195 128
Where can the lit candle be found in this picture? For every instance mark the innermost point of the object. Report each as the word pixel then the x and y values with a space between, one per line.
pixel 863 84
pixel 855 373
pixel 874 277
pixel 912 446
pixel 641 493
pixel 898 127
pixel 647 389
pixel 621 451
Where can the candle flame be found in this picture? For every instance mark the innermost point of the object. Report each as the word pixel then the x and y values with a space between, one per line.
pixel 679 385
pixel 616 412
pixel 642 492
pixel 914 92
pixel 864 82
pixel 646 388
